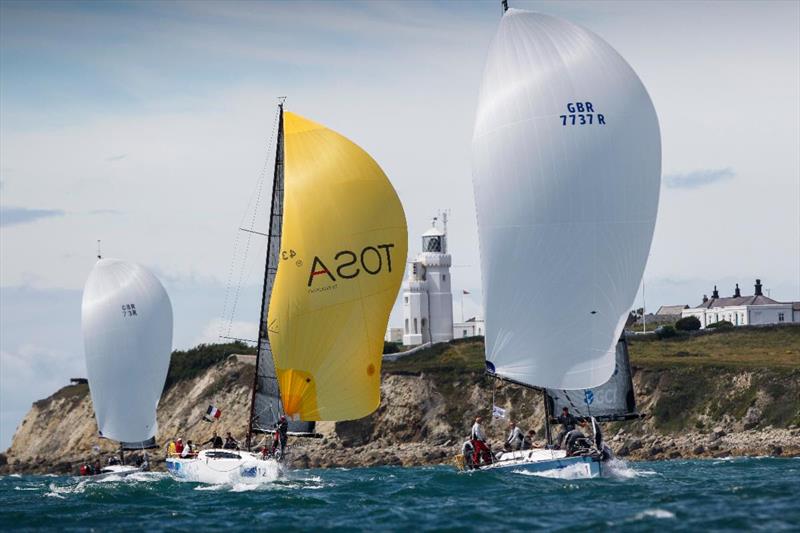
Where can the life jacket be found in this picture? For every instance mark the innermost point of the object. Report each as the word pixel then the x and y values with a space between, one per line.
pixel 178 447
pixel 171 450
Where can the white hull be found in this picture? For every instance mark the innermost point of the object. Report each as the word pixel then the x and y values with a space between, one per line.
pixel 541 460
pixel 224 466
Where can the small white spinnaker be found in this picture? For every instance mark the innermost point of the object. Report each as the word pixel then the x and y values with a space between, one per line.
pixel 126 317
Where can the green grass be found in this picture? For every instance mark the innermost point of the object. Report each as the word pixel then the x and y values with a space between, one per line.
pixel 741 347
pixel 191 363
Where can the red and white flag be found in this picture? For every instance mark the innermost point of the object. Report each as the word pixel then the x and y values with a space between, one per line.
pixel 212 413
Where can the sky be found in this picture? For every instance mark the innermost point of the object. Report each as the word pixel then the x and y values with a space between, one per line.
pixel 148 125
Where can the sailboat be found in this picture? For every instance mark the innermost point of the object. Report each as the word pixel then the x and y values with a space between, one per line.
pixel 566 174
pixel 336 250
pixel 126 318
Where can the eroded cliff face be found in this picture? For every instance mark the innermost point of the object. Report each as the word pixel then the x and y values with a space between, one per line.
pixel 423 419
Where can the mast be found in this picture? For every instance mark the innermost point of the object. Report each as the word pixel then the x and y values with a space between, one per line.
pixel 505 5
pixel 270 268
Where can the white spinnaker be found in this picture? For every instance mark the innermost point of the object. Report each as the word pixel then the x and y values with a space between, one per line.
pixel 126 317
pixel 565 211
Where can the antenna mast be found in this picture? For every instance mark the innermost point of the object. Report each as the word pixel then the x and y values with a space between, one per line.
pixel 99 255
pixel 504 3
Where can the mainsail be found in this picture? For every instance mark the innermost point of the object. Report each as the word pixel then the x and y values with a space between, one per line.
pixel 613 400
pixel 566 172
pixel 338 245
pixel 126 317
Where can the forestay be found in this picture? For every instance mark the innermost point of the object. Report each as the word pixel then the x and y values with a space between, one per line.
pixel 613 400
pixel 126 317
pixel 566 172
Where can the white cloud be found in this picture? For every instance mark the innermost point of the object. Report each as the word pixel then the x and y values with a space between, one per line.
pixel 698 178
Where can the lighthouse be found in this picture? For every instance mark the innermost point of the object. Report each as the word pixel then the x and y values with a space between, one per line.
pixel 428 301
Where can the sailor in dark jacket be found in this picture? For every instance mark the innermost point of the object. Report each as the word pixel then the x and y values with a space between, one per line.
pixel 283 430
pixel 568 423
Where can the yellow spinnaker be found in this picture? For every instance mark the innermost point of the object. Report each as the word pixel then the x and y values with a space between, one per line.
pixel 343 251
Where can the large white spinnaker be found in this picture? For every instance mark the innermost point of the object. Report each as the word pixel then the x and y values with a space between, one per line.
pixel 127 333
pixel 566 171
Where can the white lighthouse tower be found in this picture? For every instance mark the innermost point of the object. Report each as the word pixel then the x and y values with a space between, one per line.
pixel 428 301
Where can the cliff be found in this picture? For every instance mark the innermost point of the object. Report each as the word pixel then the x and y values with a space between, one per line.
pixel 734 392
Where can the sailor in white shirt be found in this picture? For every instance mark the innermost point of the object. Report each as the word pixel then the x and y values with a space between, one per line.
pixel 481 450
pixel 515 437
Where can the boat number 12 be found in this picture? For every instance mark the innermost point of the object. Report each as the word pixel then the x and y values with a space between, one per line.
pixel 581 113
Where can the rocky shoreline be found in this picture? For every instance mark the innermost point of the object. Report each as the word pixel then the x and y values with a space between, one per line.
pixel 426 411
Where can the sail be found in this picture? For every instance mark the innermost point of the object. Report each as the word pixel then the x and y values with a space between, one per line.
pixel 342 254
pixel 126 318
pixel 566 174
pixel 613 400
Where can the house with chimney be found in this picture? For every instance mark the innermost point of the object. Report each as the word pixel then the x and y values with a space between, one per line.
pixel 744 310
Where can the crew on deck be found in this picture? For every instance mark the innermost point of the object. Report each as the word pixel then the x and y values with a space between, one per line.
pixel 515 438
pixel 230 442
pixel 568 423
pixel 215 441
pixel 478 440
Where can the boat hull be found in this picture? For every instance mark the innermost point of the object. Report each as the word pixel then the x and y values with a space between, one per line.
pixel 541 460
pixel 224 466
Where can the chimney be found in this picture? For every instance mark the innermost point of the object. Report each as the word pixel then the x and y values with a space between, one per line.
pixel 705 298
pixel 715 294
pixel 737 293
pixel 758 288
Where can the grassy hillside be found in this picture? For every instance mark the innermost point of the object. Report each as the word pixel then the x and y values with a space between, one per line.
pixel 742 347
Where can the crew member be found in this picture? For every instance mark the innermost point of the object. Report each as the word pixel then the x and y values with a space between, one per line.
pixel 567 422
pixel 230 442
pixel 171 448
pixel 179 447
pixel 527 442
pixel 515 438
pixel 478 439
pixel 282 430
pixel 215 441
pixel 188 450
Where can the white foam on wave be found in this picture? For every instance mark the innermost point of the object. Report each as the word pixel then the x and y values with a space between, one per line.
pixel 576 471
pixel 620 469
pixel 62 491
pixel 653 513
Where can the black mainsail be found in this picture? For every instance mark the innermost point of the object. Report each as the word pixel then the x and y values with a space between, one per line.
pixel 614 400
pixel 266 407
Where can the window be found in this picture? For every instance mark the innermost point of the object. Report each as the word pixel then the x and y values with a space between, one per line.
pixel 444 277
pixel 406 326
pixel 415 327
pixel 406 299
pixel 780 317
pixel 465 333
pixel 424 322
pixel 432 244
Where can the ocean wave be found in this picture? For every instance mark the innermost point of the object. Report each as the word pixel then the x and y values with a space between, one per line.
pixel 576 471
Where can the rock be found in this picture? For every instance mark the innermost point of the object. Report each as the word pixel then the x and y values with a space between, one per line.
pixel 751 418
pixel 624 451
pixel 674 454
pixel 655 450
pixel 698 450
pixel 776 451
pixel 634 444
pixel 3 459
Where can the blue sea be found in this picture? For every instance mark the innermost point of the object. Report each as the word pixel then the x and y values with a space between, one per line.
pixel 699 495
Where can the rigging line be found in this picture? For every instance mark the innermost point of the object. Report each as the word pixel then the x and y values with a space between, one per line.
pixel 259 190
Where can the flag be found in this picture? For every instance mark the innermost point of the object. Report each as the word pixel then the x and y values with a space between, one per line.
pixel 588 396
pixel 464 292
pixel 212 413
pixel 498 412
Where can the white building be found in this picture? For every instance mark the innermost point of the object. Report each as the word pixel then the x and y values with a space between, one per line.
pixel 744 310
pixel 393 334
pixel 473 327
pixel 428 301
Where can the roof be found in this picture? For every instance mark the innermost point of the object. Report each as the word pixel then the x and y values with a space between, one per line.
pixel 433 232
pixel 671 309
pixel 742 300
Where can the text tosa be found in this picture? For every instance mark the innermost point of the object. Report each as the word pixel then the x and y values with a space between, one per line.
pixel 349 264
pixel 581 113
